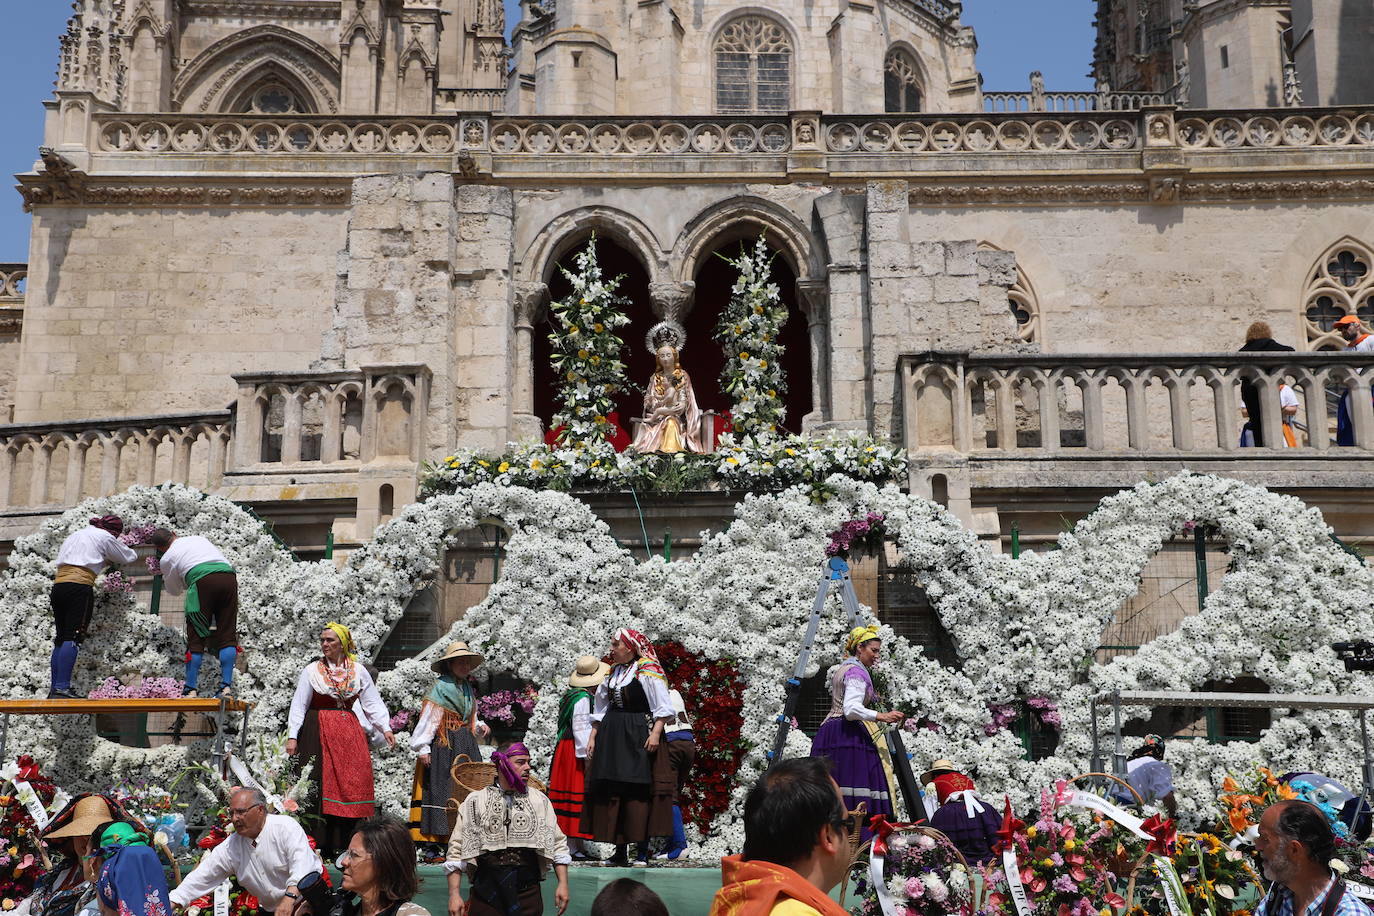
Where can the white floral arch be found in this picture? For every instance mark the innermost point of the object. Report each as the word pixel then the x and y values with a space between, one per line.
pixel 1020 627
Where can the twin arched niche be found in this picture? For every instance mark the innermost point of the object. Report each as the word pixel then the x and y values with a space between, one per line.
pixel 265 69
pixel 690 284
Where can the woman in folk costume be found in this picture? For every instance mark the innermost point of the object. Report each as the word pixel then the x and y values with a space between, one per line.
pixel 567 781
pixel 629 713
pixel 448 728
pixel 970 822
pixel 128 875
pixel 849 736
pixel 335 716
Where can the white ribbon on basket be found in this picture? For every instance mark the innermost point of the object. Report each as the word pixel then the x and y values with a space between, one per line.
pixel 1172 885
pixel 1013 872
pixel 1065 795
pixel 876 862
pixel 29 798
pixel 222 898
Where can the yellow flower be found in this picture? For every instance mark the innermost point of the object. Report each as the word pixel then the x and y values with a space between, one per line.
pixel 503 468
pixel 763 364
pixel 1030 832
pixel 1069 844
pixel 535 465
pixel 758 310
pixel 483 462
pixel 581 354
pixel 572 376
pixel 732 460
pixel 772 393
pixel 744 356
pixel 598 327
pixel 790 451
pixel 1048 863
pixel 584 301
pixel 572 329
pixel 739 330
pixel 596 360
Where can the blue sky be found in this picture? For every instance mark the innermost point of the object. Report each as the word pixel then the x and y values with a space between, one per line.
pixel 1014 38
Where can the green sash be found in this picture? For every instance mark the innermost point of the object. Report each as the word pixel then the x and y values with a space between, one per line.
pixel 565 710
pixel 194 614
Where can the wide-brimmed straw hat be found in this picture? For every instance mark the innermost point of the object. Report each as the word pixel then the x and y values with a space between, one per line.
pixel 88 813
pixel 936 768
pixel 588 672
pixel 455 650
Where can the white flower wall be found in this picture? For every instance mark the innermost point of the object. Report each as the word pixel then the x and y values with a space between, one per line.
pixel 1021 627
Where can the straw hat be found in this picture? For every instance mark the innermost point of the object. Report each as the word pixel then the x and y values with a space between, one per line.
pixel 588 672
pixel 89 813
pixel 455 650
pixel 936 768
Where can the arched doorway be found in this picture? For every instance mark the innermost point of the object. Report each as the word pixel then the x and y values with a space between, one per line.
pixel 615 261
pixel 703 358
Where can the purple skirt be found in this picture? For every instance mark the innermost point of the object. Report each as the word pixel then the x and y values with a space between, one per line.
pixel 856 766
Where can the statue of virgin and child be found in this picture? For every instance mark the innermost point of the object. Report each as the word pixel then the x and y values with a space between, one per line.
pixel 671 420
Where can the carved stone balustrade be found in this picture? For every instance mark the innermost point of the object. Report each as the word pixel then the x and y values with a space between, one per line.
pixel 1024 102
pixel 56 465
pixel 1074 419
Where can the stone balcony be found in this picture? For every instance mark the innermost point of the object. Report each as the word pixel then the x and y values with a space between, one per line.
pixel 343 444
pixel 1049 422
pixel 1157 154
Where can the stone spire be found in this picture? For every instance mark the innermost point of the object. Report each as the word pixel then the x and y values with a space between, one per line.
pixel 92 58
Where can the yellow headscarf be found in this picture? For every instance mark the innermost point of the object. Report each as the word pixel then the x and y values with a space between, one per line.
pixel 858 636
pixel 345 638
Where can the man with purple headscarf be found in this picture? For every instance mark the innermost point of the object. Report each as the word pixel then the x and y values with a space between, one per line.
pixel 505 839
pixel 80 559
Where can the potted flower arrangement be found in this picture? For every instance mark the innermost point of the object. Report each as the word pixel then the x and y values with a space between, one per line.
pixel 21 858
pixel 923 874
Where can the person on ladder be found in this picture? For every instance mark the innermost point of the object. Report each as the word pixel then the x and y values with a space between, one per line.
pixel 193 565
pixel 80 559
pixel 849 737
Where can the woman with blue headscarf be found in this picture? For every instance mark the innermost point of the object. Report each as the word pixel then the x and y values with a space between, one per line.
pixel 128 875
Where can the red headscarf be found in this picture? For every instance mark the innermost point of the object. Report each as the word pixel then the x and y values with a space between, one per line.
pixel 648 658
pixel 946 784
pixel 111 523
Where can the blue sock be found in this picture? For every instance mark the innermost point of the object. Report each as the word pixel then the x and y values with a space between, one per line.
pixel 679 842
pixel 193 670
pixel 62 664
pixel 227 656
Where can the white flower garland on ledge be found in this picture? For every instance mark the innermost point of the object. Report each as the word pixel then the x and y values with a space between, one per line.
pixel 1022 627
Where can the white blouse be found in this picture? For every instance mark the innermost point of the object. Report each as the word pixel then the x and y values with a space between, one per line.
pixel 655 689
pixel 428 726
pixel 369 708
pixel 854 708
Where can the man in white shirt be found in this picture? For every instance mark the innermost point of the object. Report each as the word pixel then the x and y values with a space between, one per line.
pixel 80 559
pixel 268 854
pixel 193 565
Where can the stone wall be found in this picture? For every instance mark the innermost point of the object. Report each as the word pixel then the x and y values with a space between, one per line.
pixel 9 367
pixel 146 310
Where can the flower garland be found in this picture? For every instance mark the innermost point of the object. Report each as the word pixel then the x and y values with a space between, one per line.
pixel 586 351
pixel 753 465
pixel 1021 628
pixel 748 331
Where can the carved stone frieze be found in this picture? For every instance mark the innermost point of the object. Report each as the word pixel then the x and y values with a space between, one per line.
pixel 39 193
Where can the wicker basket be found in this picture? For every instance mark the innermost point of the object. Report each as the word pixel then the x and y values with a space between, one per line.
pixel 905 828
pixel 473 776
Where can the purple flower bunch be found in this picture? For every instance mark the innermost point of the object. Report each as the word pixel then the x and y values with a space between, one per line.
pixel 501 705
pixel 854 530
pixel 137 536
pixel 1046 710
pixel 1003 714
pixel 116 583
pixel 402 719
pixel 150 688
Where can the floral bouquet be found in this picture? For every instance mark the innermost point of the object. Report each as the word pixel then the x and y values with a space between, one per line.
pixel 1062 863
pixel 1244 798
pixel 860 533
pixel 1214 875
pixel 21 856
pixel 502 705
pixel 922 872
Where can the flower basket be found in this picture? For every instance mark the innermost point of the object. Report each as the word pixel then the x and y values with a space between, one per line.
pixel 923 871
pixel 472 776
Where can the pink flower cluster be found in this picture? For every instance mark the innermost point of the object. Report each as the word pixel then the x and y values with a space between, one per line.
pixel 854 530
pixel 402 719
pixel 1046 710
pixel 115 583
pixel 500 706
pixel 137 536
pixel 1003 714
pixel 150 688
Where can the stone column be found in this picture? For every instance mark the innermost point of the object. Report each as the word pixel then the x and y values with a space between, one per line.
pixel 847 359
pixel 894 298
pixel 812 297
pixel 531 306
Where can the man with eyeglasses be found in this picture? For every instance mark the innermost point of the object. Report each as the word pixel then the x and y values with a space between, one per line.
pixel 267 853
pixel 796 845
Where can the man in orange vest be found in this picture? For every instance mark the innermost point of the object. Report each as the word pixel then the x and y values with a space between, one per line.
pixel 796 845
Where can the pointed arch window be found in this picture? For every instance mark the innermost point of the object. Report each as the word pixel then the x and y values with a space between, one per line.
pixel 753 59
pixel 1340 283
pixel 901 82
